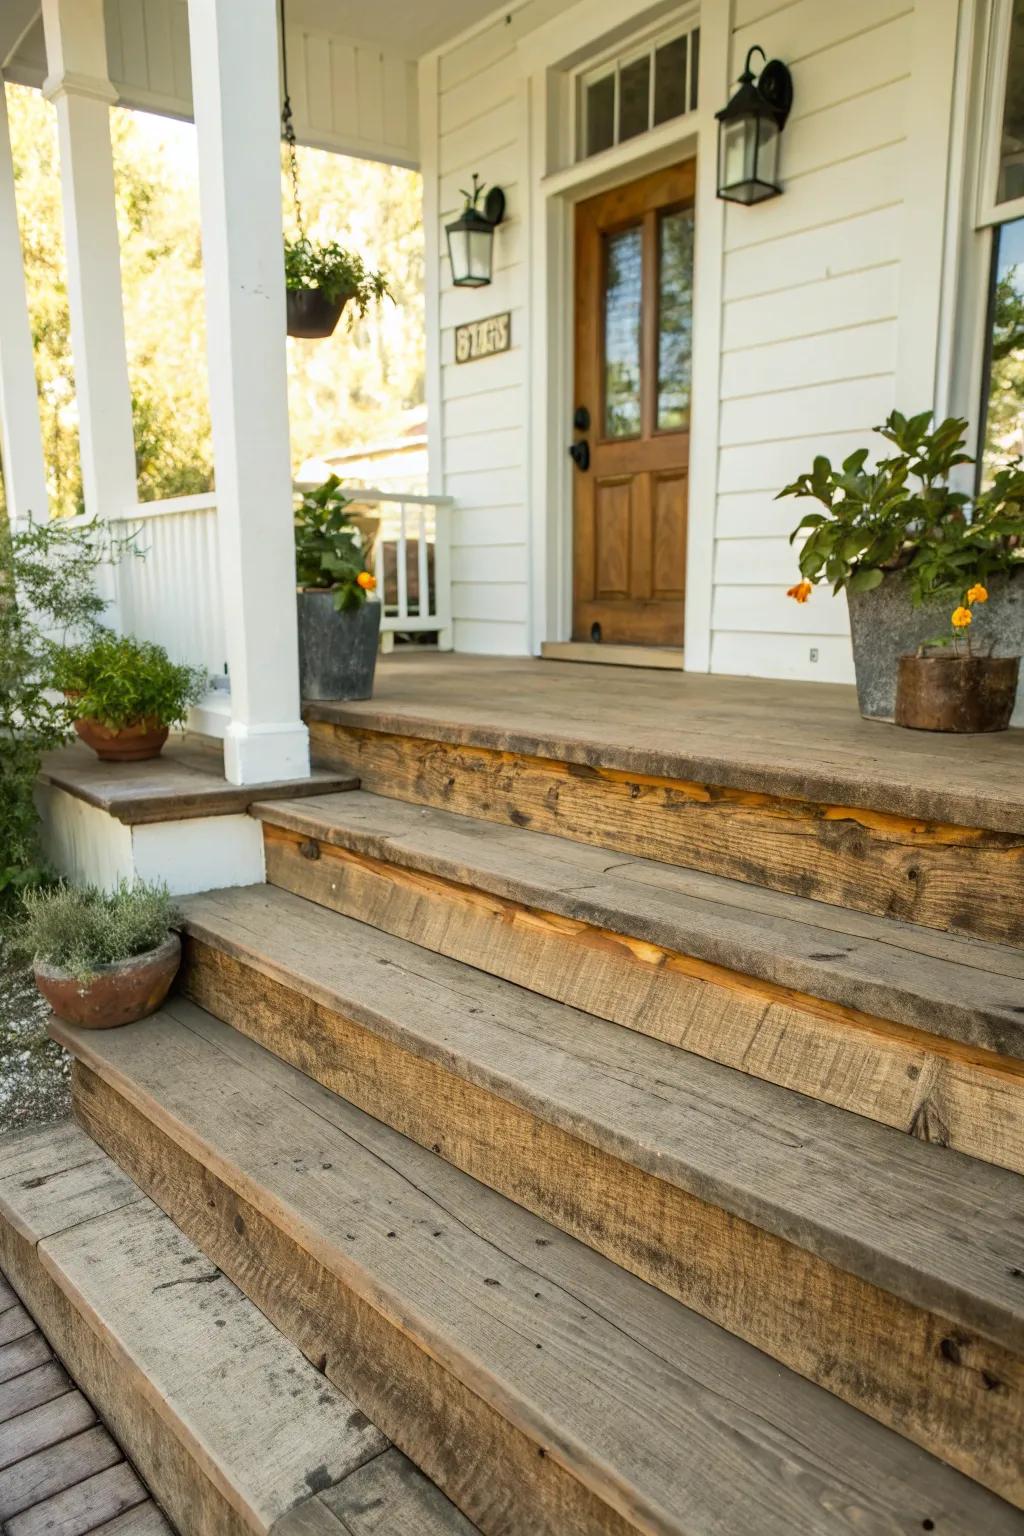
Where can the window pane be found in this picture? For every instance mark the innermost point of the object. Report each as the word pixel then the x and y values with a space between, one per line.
pixel 1004 397
pixel 623 290
pixel 670 80
pixel 1011 150
pixel 694 66
pixel 600 115
pixel 635 98
pixel 675 319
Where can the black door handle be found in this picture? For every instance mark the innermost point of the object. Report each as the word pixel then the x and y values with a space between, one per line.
pixel 580 454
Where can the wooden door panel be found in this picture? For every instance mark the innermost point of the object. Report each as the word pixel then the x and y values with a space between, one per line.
pixel 630 506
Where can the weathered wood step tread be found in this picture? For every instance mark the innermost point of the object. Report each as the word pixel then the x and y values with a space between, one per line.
pixel 671 1422
pixel 231 1426
pixel 938 1229
pixel 964 989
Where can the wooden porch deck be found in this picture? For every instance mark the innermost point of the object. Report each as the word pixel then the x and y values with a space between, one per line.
pixel 802 740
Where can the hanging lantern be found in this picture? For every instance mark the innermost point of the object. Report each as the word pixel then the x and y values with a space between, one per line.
pixel 471 237
pixel 748 133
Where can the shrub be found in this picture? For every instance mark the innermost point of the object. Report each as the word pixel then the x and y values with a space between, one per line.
pixel 337 273
pixel 120 680
pixel 80 929
pixel 904 515
pixel 329 547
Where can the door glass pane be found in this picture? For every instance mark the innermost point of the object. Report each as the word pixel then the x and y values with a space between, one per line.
pixel 670 80
pixel 600 115
pixel 675 319
pixel 1004 394
pixel 623 291
pixel 635 98
pixel 1011 149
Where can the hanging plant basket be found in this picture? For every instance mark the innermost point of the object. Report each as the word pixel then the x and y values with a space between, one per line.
pixel 312 315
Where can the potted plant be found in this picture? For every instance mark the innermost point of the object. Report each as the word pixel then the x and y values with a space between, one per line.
pixel 338 627
pixel 320 280
pixel 126 693
pixel 904 545
pixel 948 686
pixel 101 958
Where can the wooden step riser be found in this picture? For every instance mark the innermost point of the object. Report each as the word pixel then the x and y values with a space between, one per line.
pixel 931 1088
pixel 956 1394
pixel 172 1469
pixel 962 880
pixel 504 1481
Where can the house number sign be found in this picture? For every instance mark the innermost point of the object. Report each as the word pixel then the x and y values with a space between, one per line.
pixel 483 338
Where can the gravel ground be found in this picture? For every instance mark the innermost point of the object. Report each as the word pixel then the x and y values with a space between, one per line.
pixel 35 1073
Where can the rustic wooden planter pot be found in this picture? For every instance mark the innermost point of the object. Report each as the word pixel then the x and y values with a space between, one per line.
pixel 967 694
pixel 116 994
pixel 126 743
pixel 311 314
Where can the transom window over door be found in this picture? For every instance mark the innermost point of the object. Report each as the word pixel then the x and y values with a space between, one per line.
pixel 634 307
pixel 633 92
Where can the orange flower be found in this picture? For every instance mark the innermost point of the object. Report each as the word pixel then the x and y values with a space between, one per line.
pixel 366 581
pixel 977 593
pixel 961 618
pixel 801 592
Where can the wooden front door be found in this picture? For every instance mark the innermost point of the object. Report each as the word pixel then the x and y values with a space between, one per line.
pixel 634 291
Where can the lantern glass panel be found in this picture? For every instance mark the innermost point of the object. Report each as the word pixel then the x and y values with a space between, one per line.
pixel 737 143
pixel 481 251
pixel 768 151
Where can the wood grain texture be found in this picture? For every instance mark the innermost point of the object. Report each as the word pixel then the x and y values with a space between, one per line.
pixel 273 1174
pixel 26 1392
pixel 44 1425
pixel 388 1497
pixel 81 1510
pixel 929 1087
pixel 938 875
pixel 54 1468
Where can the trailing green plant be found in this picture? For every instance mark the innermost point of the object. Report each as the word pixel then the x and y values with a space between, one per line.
pixel 83 928
pixel 337 273
pixel 48 595
pixel 329 550
pixel 120 680
pixel 905 515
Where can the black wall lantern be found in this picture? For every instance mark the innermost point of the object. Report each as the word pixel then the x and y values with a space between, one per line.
pixel 471 237
pixel 748 133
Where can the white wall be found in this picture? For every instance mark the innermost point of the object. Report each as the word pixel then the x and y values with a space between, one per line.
pixel 823 328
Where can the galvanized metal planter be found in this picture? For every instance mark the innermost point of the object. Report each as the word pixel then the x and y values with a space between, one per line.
pixel 337 651
pixel 885 626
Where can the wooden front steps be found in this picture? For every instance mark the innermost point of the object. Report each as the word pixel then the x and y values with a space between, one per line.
pixel 547 1391
pixel 234 1431
pixel 889 1271
pixel 876 843
pixel 920 1030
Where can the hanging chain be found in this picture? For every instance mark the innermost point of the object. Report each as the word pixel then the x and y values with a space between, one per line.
pixel 288 133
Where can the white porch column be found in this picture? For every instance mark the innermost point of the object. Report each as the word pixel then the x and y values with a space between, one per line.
pixel 236 102
pixel 78 85
pixel 21 441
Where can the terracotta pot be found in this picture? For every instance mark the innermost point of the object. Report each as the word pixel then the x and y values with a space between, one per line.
pixel 311 314
pixel 123 744
pixel 956 693
pixel 116 994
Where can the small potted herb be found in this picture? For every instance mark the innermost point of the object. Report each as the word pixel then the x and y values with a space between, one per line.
pixel 950 686
pixel 320 281
pixel 101 958
pixel 126 693
pixel 338 627
pixel 904 545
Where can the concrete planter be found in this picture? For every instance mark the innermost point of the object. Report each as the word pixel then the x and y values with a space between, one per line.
pixel 885 626
pixel 337 651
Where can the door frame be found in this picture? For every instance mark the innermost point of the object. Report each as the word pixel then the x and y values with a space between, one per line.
pixel 554 191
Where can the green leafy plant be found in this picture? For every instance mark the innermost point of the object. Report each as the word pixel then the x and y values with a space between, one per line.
pixel 904 515
pixel 119 680
pixel 337 273
pixel 83 928
pixel 329 549
pixel 47 596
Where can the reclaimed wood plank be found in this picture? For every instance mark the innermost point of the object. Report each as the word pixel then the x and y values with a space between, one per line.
pixel 24 1393
pixel 143 1520
pixel 14 1324
pixel 23 1355
pixel 268 1170
pixel 54 1468
pixel 49 1181
pixel 389 1497
pixel 959 878
pixel 45 1425
pixel 924 1084
pixel 78 1511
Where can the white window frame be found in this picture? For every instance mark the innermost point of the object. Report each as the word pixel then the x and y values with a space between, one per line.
pixel 612 62
pixel 988 212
